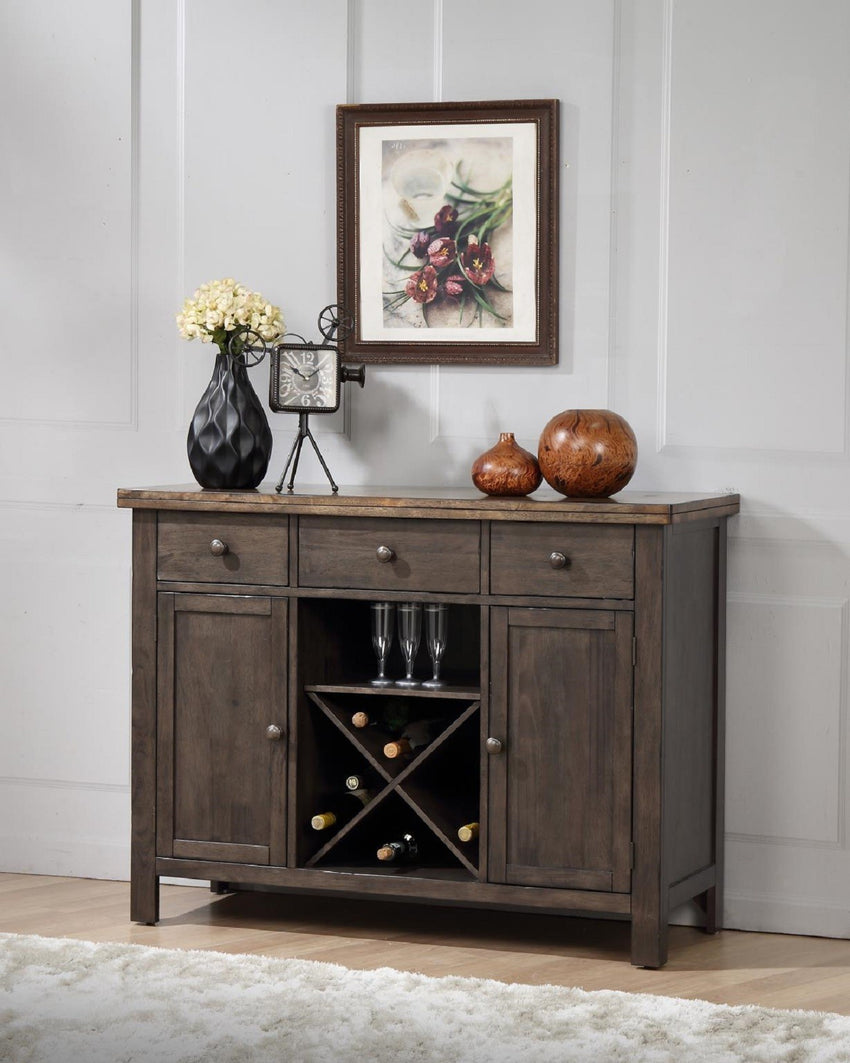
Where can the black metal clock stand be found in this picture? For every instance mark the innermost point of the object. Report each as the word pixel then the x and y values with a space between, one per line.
pixel 334 324
pixel 294 455
pixel 249 348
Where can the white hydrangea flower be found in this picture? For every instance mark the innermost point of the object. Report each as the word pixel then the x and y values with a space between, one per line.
pixel 222 307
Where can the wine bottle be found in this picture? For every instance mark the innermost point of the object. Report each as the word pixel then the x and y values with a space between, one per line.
pixel 399 851
pixel 468 832
pixel 417 734
pixel 391 718
pixel 362 780
pixel 341 809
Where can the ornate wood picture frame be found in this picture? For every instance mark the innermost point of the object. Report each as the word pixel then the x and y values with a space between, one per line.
pixel 447 241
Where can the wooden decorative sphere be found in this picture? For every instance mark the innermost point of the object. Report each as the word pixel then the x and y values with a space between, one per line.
pixel 587 453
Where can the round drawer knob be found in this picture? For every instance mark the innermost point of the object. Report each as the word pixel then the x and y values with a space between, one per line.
pixel 557 559
pixel 493 746
pixel 385 554
pixel 218 548
pixel 274 733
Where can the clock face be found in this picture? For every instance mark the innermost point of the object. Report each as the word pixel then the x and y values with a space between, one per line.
pixel 305 378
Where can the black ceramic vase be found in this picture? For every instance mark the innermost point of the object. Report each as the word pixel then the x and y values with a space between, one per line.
pixel 230 442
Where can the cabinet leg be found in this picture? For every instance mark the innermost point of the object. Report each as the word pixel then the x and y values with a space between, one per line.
pixel 144 898
pixel 220 887
pixel 712 904
pixel 649 942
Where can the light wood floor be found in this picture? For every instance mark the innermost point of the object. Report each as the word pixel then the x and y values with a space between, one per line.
pixel 732 967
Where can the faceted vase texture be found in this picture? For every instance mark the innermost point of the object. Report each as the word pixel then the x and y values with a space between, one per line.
pixel 230 442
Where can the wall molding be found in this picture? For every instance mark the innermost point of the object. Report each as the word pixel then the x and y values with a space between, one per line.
pixel 772 454
pixel 28 783
pixel 35 504
pixel 135 204
pixel 803 457
pixel 830 529
pixel 132 423
pixel 51 854
pixel 615 199
pixel 352 52
pixel 767 912
pixel 787 600
pixel 783 842
pixel 664 225
pixel 434 393
pixel 842 606
pixel 180 272
pixel 438 51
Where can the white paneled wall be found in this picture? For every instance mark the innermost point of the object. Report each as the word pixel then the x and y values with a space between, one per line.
pixel 731 283
pixel 705 182
pixel 757 295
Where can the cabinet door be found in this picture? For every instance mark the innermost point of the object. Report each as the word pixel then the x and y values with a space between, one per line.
pixel 560 789
pixel 222 685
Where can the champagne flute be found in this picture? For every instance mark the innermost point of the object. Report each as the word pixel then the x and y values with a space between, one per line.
pixel 409 634
pixel 436 616
pixel 383 615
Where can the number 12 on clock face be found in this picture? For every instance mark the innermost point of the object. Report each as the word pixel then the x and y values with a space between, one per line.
pixel 305 378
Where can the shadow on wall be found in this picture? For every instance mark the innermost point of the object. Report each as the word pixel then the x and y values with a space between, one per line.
pixel 395 439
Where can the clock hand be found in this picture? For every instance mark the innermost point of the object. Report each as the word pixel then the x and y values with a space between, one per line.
pixel 316 368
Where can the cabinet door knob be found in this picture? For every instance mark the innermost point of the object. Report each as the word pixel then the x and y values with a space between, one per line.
pixel 218 548
pixel 557 559
pixel 273 733
pixel 493 746
pixel 385 554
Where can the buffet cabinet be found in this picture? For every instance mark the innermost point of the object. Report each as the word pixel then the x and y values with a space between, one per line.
pixel 575 754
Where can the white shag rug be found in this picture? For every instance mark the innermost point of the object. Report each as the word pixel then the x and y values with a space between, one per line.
pixel 64 1001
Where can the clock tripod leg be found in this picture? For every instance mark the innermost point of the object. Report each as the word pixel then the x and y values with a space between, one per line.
pixel 296 446
pixel 334 487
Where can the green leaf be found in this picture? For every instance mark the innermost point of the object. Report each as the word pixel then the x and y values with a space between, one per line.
pixel 459 182
pixel 500 287
pixel 482 302
pixel 467 223
pixel 403 231
pixel 399 264
pixel 459 202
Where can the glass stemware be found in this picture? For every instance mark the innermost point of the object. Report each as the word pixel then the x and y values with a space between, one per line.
pixel 409 634
pixel 383 615
pixel 436 626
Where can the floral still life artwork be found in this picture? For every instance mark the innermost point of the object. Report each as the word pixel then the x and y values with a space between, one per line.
pixel 448 234
pixel 447 231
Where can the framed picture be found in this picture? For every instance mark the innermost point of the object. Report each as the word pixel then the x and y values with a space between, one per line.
pixel 448 232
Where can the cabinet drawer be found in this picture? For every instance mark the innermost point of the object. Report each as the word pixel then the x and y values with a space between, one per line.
pixel 598 560
pixel 256 548
pixel 418 555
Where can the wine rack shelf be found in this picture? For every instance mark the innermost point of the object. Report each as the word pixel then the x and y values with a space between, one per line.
pixel 428 804
pixel 583 755
pixel 406 871
pixel 449 692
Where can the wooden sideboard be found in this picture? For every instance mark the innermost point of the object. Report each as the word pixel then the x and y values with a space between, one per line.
pixel 581 725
